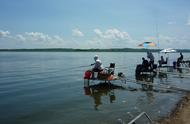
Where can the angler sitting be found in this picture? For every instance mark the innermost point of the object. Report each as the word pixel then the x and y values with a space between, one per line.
pixel 98 67
pixel 145 64
pixel 162 61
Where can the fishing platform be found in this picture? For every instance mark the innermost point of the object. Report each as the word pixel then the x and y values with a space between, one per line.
pixel 106 75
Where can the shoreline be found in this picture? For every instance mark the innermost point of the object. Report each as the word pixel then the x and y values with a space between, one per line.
pixel 180 114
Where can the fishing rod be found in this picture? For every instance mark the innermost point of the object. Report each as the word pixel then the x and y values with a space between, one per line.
pixel 82 66
pixel 78 67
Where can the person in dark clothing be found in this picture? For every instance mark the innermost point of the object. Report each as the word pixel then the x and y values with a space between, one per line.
pixel 180 59
pixel 181 56
pixel 145 64
pixel 151 57
pixel 162 61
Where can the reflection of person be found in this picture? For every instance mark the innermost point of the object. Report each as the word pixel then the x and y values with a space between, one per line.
pixel 147 86
pixel 112 96
pixel 151 57
pixel 162 76
pixel 97 100
pixel 97 65
pixel 97 91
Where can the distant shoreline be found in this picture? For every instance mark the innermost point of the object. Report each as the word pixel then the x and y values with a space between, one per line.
pixel 86 50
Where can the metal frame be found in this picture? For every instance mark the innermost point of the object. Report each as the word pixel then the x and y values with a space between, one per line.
pixel 137 117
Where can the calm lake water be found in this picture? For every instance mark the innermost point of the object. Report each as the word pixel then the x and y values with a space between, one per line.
pixel 48 88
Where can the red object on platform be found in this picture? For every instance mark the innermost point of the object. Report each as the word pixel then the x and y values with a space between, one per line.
pixel 87 75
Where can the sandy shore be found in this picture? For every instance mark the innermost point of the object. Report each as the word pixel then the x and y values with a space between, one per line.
pixel 181 115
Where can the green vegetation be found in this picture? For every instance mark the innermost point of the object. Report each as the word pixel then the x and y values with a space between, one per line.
pixel 85 50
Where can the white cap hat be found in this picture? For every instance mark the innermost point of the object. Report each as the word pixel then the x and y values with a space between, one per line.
pixel 95 57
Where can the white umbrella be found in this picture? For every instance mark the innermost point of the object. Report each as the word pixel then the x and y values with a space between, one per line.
pixel 168 50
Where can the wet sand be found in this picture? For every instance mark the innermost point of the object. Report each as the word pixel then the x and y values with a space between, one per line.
pixel 181 114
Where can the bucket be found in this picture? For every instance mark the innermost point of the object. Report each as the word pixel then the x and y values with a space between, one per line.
pixel 87 75
pixel 95 75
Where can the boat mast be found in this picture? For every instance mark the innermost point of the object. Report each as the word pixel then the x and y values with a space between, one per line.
pixel 157 37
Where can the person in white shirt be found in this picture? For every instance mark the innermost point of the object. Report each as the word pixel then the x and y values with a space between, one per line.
pixel 97 65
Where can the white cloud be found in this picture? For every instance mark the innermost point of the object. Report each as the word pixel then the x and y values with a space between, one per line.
pixel 40 40
pixel 166 39
pixel 58 38
pixel 171 22
pixel 36 36
pixel 4 33
pixel 77 33
pixel 20 37
pixel 112 34
pixel 98 32
pixel 111 38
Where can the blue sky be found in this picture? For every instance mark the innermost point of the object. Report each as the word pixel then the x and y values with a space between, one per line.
pixel 94 23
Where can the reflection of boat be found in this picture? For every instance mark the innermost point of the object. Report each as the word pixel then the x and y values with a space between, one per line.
pixel 145 78
pixel 162 76
pixel 107 75
pixel 99 90
pixel 147 81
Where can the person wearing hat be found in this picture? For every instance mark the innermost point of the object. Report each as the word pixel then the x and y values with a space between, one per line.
pixel 97 65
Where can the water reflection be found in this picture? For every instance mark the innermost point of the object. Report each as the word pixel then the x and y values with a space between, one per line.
pixel 102 92
pixel 163 77
pixel 97 91
pixel 147 81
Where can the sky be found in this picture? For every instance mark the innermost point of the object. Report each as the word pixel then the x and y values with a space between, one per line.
pixel 94 23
